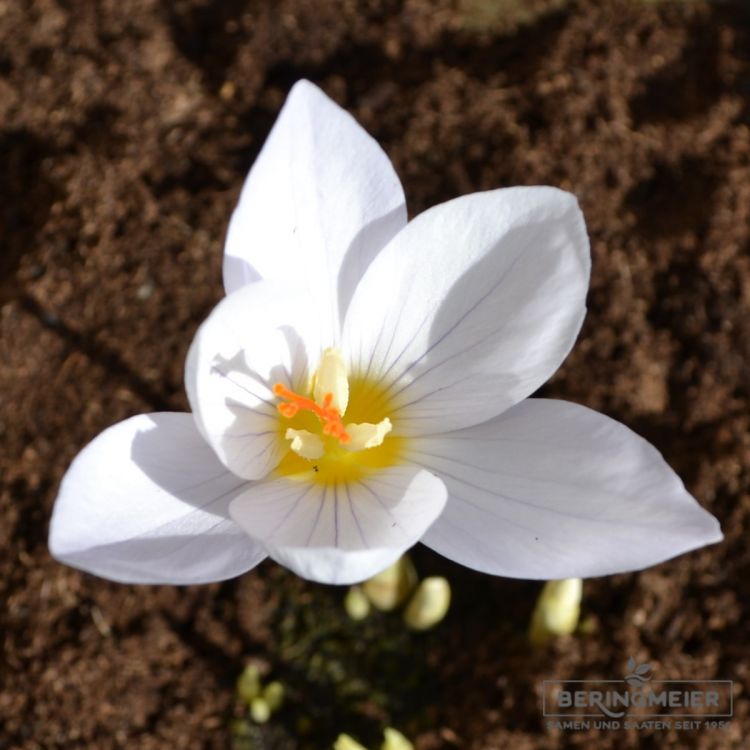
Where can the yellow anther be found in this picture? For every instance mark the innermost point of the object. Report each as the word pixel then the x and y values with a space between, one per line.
pixel 305 443
pixel 366 435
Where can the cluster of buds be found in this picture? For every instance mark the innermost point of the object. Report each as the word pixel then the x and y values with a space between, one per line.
pixel 426 602
pixel 261 700
pixel 393 740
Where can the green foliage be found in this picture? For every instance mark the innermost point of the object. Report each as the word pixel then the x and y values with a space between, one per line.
pixel 363 675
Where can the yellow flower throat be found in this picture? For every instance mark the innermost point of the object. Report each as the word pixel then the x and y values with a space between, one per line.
pixel 322 448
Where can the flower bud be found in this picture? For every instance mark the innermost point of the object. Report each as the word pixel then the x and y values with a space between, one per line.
pixel 260 711
pixel 557 610
pixel 429 605
pixel 394 740
pixel 273 695
pixel 390 588
pixel 248 683
pixel 356 604
pixel 345 742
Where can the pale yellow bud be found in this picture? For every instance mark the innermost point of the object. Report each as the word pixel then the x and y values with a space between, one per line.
pixel 390 588
pixel 260 711
pixel 273 695
pixel 345 742
pixel 356 603
pixel 394 740
pixel 429 605
pixel 248 683
pixel 557 610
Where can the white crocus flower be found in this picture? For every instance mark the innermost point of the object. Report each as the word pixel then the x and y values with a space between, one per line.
pixel 364 385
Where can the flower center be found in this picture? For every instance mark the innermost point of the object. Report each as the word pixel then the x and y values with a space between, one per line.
pixel 328 415
pixel 323 448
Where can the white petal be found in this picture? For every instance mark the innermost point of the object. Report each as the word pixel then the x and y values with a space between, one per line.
pixel 472 306
pixel 261 334
pixel 553 490
pixel 321 200
pixel 147 502
pixel 341 533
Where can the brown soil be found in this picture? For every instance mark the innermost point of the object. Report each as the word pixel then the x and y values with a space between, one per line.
pixel 126 128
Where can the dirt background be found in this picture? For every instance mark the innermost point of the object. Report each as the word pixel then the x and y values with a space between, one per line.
pixel 126 129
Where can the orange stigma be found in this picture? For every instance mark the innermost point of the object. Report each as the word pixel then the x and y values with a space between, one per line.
pixel 327 414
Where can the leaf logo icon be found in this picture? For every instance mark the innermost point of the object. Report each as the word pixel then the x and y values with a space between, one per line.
pixel 635 681
pixel 638 674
